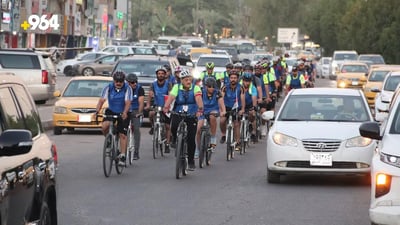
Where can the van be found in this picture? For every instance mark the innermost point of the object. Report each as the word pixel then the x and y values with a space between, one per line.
pixel 338 58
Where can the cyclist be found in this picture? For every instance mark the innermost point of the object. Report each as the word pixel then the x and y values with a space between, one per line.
pixel 170 78
pixel 214 104
pixel 159 89
pixel 225 74
pixel 239 68
pixel 233 99
pixel 255 80
pixel 268 93
pixel 294 80
pixel 119 97
pixel 177 71
pixel 209 73
pixel 136 109
pixel 187 97
pixel 250 101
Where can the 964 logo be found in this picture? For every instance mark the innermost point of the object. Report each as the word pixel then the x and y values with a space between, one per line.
pixel 41 22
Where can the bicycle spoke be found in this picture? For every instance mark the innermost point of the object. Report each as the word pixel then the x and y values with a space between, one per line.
pixel 107 155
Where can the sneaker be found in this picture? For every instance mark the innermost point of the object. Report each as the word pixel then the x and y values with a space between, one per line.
pixel 196 154
pixel 166 148
pixel 213 147
pixel 237 147
pixel 151 131
pixel 136 155
pixel 191 167
pixel 121 160
pixel 223 139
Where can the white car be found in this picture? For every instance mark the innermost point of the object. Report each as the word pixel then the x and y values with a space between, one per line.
pixel 316 132
pixel 385 169
pixel 219 60
pixel 65 66
pixel 338 58
pixel 323 66
pixel 383 98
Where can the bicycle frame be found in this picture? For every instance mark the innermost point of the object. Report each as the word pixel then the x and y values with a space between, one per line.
pixel 159 138
pixel 244 132
pixel 230 140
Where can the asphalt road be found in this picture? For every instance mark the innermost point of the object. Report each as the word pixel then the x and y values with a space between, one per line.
pixel 234 192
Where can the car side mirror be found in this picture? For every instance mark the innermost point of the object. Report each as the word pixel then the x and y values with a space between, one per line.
pixel 15 142
pixel 370 130
pixel 100 62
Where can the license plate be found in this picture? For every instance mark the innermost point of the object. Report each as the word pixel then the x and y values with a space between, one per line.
pixel 321 159
pixel 84 118
pixel 354 83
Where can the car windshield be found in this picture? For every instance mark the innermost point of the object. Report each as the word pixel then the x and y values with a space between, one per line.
pixel 354 69
pixel 345 56
pixel 374 59
pixel 334 108
pixel 391 83
pixel 291 62
pixel 85 88
pixel 378 75
pixel 140 68
pixel 260 57
pixel 218 62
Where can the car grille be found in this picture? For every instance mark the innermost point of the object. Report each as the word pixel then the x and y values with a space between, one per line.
pixel 83 110
pixel 306 164
pixel 321 145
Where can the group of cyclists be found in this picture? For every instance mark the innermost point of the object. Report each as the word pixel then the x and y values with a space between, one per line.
pixel 238 90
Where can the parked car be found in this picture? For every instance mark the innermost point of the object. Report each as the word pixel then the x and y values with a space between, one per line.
pixel 385 168
pixel 28 159
pixel 338 58
pixel 65 66
pixel 31 67
pixel 97 67
pixel 375 79
pixel 124 50
pixel 352 75
pixel 76 104
pixel 384 97
pixel 316 132
pixel 144 50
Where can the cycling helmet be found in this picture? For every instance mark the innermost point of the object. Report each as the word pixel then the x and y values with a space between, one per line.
pixel 210 65
pixel 247 76
pixel 131 78
pixel 119 75
pixel 287 55
pixel 178 69
pixel 248 67
pixel 184 73
pixel 233 72
pixel 238 65
pixel 229 66
pixel 211 82
pixel 161 68
pixel 167 67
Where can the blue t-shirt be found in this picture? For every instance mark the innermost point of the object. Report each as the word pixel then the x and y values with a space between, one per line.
pixel 117 97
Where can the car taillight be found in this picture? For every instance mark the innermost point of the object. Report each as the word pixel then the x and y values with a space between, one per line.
pixel 54 153
pixel 382 184
pixel 45 77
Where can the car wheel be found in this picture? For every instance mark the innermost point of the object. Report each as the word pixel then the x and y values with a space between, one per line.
pixel 45 215
pixel 273 177
pixel 68 71
pixel 88 72
pixel 40 102
pixel 57 130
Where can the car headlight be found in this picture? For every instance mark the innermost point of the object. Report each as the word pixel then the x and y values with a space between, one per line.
pixel 285 140
pixel 390 159
pixel 358 142
pixel 60 110
pixel 342 84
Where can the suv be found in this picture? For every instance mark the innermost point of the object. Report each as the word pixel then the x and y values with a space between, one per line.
pixel 338 58
pixel 144 66
pixel 31 67
pixel 28 159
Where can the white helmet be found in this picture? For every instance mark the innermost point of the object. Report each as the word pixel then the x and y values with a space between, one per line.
pixel 267 115
pixel 184 73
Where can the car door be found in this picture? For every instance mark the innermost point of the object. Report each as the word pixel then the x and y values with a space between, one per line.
pixel 17 172
pixel 106 64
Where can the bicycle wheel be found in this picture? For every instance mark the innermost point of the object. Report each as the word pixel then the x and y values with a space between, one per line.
pixel 131 145
pixel 108 155
pixel 118 168
pixel 162 140
pixel 229 144
pixel 178 156
pixel 184 162
pixel 243 136
pixel 155 141
pixel 209 151
pixel 203 148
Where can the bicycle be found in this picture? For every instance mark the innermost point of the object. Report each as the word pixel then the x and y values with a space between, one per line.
pixel 205 138
pixel 230 141
pixel 258 124
pixel 181 154
pixel 131 141
pixel 244 133
pixel 111 147
pixel 159 138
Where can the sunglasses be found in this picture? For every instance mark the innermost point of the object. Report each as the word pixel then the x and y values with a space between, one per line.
pixel 133 82
pixel 118 81
pixel 210 86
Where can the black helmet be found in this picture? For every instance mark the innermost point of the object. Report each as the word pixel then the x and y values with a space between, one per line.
pixel 248 67
pixel 167 67
pixel 233 72
pixel 229 65
pixel 131 78
pixel 119 75
pixel 211 82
